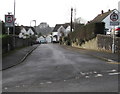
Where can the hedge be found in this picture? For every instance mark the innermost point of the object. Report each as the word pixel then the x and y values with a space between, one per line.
pixel 87 32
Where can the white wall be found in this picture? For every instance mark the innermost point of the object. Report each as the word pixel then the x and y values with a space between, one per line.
pixel 54 33
pixel 67 31
pixel 61 29
pixel 48 39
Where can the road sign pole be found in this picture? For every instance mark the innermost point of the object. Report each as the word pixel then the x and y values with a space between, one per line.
pixel 114 21
pixel 8 39
pixel 113 44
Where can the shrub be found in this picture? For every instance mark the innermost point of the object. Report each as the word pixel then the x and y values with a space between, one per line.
pixel 87 32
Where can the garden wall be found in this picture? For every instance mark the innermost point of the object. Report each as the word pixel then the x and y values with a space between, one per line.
pixel 18 43
pixel 105 43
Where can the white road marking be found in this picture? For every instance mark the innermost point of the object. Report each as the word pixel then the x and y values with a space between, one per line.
pixel 87 77
pixel 17 86
pixel 41 83
pixel 110 60
pixel 98 75
pixel 114 73
pixel 95 72
pixel 112 70
pixel 49 82
pixel 5 88
pixel 76 77
pixel 82 73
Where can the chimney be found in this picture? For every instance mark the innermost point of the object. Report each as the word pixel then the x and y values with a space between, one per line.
pixel 102 11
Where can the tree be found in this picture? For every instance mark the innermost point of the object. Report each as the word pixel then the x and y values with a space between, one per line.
pixel 39 34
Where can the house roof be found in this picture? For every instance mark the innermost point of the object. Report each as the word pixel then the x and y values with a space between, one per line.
pixel 32 28
pixel 66 25
pixel 101 16
pixel 59 25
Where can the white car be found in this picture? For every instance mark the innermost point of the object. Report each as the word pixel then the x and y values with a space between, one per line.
pixel 113 31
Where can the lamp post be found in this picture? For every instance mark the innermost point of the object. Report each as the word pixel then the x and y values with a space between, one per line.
pixel 34 26
pixel 32 21
pixel 35 23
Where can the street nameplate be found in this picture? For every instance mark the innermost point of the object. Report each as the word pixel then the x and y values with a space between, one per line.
pixel 114 23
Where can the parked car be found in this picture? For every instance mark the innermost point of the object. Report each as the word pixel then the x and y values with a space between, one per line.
pixel 115 31
pixel 108 31
pixel 118 31
pixel 43 41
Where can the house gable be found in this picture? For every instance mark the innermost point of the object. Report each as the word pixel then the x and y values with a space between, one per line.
pixel 56 27
pixel 101 17
pixel 107 20
pixel 61 29
pixel 104 17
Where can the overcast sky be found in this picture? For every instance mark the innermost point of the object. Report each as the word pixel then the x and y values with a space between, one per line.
pixel 54 11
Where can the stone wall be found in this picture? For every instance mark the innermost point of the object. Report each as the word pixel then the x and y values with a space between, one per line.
pixel 105 43
pixel 100 43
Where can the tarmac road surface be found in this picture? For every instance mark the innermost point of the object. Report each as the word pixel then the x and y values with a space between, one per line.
pixel 53 68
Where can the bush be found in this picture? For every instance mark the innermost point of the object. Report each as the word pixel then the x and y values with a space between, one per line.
pixel 87 32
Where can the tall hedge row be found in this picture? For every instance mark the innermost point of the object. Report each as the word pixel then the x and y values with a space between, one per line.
pixel 87 32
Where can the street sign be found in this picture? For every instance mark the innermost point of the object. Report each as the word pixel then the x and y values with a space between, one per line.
pixel 9 20
pixel 114 19
pixel 114 16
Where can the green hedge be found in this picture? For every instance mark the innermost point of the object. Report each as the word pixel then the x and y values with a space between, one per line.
pixel 3 36
pixel 87 32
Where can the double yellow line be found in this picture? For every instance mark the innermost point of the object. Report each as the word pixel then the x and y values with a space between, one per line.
pixel 113 62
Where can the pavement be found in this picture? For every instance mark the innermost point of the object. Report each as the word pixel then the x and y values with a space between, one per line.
pixel 18 56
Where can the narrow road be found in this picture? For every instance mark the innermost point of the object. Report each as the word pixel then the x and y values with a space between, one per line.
pixel 54 68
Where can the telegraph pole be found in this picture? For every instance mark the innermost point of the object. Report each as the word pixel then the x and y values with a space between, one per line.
pixel 71 19
pixel 74 18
